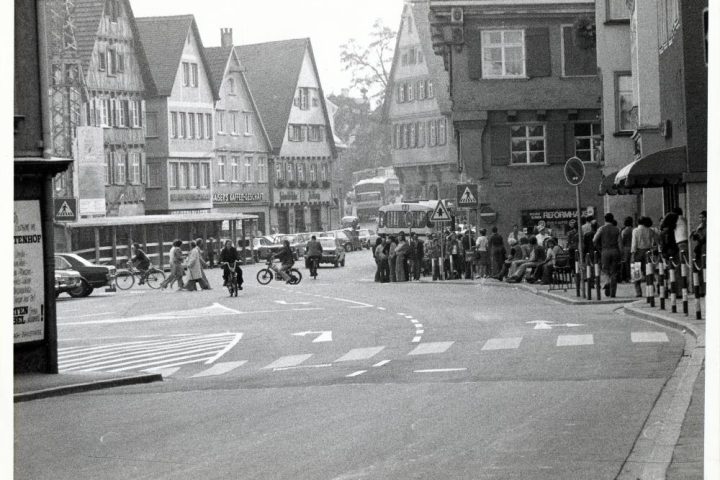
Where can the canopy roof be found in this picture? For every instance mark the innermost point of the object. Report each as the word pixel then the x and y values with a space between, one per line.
pixel 608 187
pixel 665 167
pixel 157 219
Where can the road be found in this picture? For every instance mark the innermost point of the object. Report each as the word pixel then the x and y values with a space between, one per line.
pixel 343 378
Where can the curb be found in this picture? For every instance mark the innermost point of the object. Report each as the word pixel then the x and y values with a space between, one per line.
pixel 85 387
pixel 685 327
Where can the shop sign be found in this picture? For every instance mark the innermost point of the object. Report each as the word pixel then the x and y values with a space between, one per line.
pixel 288 196
pixel 554 215
pixel 237 197
pixel 314 196
pixel 190 197
pixel 29 273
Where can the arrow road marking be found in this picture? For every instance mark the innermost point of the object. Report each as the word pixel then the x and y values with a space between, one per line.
pixel 283 302
pixel 324 336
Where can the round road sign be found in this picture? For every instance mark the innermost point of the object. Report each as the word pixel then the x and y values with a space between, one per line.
pixel 574 171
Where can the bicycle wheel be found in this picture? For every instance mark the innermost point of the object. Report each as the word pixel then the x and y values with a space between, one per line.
pixel 155 278
pixel 295 276
pixel 124 280
pixel 264 276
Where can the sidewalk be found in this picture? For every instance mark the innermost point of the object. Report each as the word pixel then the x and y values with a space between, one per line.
pixel 32 386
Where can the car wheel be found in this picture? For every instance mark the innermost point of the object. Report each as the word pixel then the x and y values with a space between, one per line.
pixel 82 290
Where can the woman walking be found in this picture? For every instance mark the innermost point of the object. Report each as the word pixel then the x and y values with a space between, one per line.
pixel 607 240
pixel 176 267
pixel 193 266
pixel 481 247
pixel 497 252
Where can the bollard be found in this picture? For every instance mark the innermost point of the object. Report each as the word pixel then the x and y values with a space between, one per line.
pixel 661 283
pixel 673 286
pixel 649 282
pixel 577 274
pixel 588 275
pixel 435 269
pixel 696 291
pixel 597 275
pixel 452 267
pixel 684 284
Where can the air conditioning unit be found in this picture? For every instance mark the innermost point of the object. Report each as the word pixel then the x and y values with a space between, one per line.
pixel 456 15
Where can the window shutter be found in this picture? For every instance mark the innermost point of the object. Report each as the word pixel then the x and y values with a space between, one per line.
pixel 500 137
pixel 473 42
pixel 556 143
pixel 537 52
pixel 578 61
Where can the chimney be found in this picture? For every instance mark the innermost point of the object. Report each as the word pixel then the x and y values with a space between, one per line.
pixel 226 37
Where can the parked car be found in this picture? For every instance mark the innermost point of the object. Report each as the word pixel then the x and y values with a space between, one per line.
pixel 66 281
pixel 261 248
pixel 333 252
pixel 93 276
pixel 367 237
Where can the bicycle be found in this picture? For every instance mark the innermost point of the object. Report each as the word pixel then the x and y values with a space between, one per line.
pixel 125 278
pixel 232 281
pixel 265 275
pixel 313 264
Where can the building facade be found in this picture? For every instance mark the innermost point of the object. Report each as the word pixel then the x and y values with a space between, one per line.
pixel 242 147
pixel 417 112
pixel 285 83
pixel 180 123
pixel 526 97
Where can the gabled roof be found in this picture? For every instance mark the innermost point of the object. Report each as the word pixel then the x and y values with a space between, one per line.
pixel 272 71
pixel 219 60
pixel 87 17
pixel 163 39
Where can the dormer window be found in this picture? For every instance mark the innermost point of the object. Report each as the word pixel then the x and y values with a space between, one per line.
pixel 231 86
pixel 112 10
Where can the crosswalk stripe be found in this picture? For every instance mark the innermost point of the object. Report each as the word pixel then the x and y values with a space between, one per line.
pixel 430 347
pixel 648 337
pixel 172 361
pixel 360 354
pixel 502 343
pixel 288 361
pixel 574 340
pixel 220 368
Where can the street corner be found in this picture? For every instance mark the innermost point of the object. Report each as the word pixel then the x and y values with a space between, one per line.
pixel 35 386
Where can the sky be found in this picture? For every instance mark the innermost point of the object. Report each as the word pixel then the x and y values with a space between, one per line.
pixel 328 23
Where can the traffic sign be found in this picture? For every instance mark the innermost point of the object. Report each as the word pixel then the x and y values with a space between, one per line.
pixel 574 171
pixel 467 195
pixel 441 213
pixel 65 209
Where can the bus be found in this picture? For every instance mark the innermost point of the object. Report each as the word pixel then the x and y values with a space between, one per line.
pixel 372 193
pixel 407 217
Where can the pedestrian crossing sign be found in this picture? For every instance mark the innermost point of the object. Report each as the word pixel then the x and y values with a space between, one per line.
pixel 441 213
pixel 65 209
pixel 467 195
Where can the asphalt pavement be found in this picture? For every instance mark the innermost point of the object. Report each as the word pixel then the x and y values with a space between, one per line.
pixel 363 303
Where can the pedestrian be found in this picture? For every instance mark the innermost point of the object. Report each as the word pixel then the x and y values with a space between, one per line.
pixel 516 234
pixel 607 241
pixel 415 256
pixel 203 281
pixel 230 256
pixel 625 245
pixel 668 245
pixel 497 252
pixel 453 256
pixel 481 250
pixel 542 235
pixel 644 237
pixel 586 227
pixel 588 247
pixel 699 236
pixel 392 259
pixel 401 251
pixel 681 232
pixel 514 254
pixel 211 252
pixel 176 266
pixel 572 239
pixel 468 245
pixel 379 256
pixel 435 254
pixel 193 267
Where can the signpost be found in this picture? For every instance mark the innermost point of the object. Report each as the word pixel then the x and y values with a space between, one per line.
pixel 441 215
pixel 468 197
pixel 575 174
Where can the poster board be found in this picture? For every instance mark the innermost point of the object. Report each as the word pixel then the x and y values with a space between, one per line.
pixel 29 273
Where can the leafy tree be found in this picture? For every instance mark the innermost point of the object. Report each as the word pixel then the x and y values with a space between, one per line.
pixel 369 63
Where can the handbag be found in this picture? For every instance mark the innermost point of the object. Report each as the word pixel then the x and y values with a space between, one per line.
pixel 636 274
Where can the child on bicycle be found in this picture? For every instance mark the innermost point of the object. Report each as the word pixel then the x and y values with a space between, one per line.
pixel 228 256
pixel 287 260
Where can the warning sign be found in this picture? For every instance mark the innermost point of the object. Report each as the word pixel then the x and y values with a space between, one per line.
pixel 441 213
pixel 65 209
pixel 467 195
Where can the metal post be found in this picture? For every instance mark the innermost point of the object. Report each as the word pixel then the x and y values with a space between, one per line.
pixel 696 291
pixel 661 283
pixel 96 231
pixel 113 232
pixel 589 275
pixel 242 237
pixel 577 274
pixel 649 285
pixel 673 287
pixel 684 284
pixel 596 265
pixel 161 247
pixel 580 239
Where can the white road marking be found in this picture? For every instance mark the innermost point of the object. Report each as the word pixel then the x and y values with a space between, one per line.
pixel 502 343
pixel 283 302
pixel 361 306
pixel 431 347
pixel 169 362
pixel 648 337
pixel 416 339
pixel 381 308
pixel 219 369
pixel 401 314
pixel 381 363
pixel 574 340
pixel 418 325
pixel 420 331
pixel 165 372
pixel 355 374
pixel 324 336
pixel 234 341
pixel 360 354
pixel 320 365
pixel 288 361
pixel 93 314
pixel 440 370
pixel 163 317
pixel 350 301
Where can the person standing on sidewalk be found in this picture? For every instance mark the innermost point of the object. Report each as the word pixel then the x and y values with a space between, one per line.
pixel 417 254
pixel 481 250
pixel 497 252
pixel 625 245
pixel 401 250
pixel 607 241
pixel 392 259
pixel 643 239
pixel 176 267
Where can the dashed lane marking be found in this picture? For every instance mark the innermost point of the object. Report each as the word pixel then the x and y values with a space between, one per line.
pixel 220 369
pixel 288 361
pixel 440 370
pixel 416 339
pixel 355 374
pixel 381 363
pixel 297 367
pixel 502 343
pixel 431 347
pixel 648 337
pixel 360 354
pixel 574 340
pixel 420 331
pixel 381 308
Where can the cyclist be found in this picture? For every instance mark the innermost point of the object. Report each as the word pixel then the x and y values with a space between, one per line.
pixel 287 260
pixel 228 255
pixel 140 261
pixel 314 252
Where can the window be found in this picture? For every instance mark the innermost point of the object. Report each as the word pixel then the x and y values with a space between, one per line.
pixel 261 170
pixel 191 125
pixel 120 61
pixel 404 59
pixel 421 134
pixel 231 86
pixel 154 176
pixel 527 144
pixel 200 126
pixel 248 123
pixel 442 132
pixel 194 74
pixel 186 73
pixel 184 174
pixel 204 175
pixel 108 167
pixel 410 92
pixel 208 124
pixel 174 124
pixel 248 173
pixel 324 172
pixel 315 133
pixel 412 56
pixel 430 89
pixel 503 53
pixel 279 171
pixel 313 173
pixel 403 136
pixel 220 115
pixel 103 111
pixel 295 133
pixel 102 59
pixel 432 131
pixel 135 107
pixel 120 168
pixel 221 168
pixel 235 123
pixel 235 173
pixel 302 99
pixel 395 136
pixel 135 168
pixel 112 10
pixel 421 90
pixel 587 141
pixel 112 61
pixel 625 103
pixel 617 10
pixel 419 56
pixel 194 174
pixel 289 172
pixel 183 125
pixel 411 134
pixel 173 175
pixel 401 93
pixel 301 172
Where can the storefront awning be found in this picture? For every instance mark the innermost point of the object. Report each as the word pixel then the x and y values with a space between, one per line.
pixel 608 187
pixel 665 167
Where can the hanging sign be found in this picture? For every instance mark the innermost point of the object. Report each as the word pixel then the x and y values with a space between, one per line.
pixel 29 273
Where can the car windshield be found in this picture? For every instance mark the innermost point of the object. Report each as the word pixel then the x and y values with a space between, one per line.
pixel 62 264
pixel 328 243
pixel 79 259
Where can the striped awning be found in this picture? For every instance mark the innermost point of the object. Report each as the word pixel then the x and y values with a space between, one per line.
pixel 665 167
pixel 608 187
